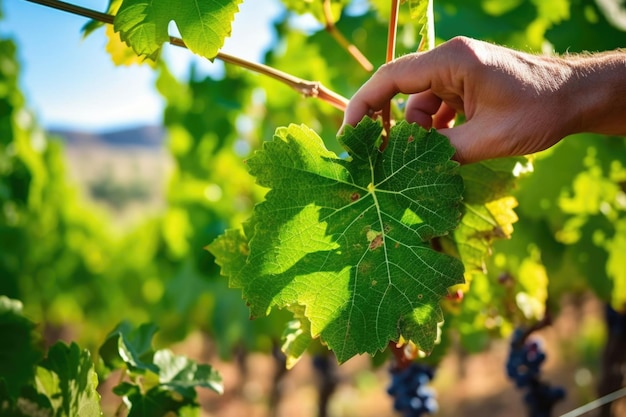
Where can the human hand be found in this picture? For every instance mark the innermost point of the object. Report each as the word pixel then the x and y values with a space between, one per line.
pixel 514 103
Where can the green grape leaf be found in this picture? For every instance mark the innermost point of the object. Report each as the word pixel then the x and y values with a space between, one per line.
pixel 173 391
pixel 20 351
pixel 488 208
pixel 296 337
pixel 423 11
pixel 204 26
pixel 182 374
pixel 348 239
pixel 155 402
pixel 67 377
pixel 128 347
pixel 479 227
pixel 93 25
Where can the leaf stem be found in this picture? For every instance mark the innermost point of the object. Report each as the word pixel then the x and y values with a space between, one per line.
pixel 341 40
pixel 307 88
pixel 391 50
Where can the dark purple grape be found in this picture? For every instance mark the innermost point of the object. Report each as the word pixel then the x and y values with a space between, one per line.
pixel 523 367
pixel 409 388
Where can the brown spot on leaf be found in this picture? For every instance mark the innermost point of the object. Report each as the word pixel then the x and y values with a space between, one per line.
pixel 355 196
pixel 377 242
pixel 364 268
pixel 410 139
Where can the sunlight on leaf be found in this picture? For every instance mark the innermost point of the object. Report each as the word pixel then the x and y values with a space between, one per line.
pixel 204 26
pixel 333 235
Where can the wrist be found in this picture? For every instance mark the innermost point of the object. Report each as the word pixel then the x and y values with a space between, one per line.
pixel 597 94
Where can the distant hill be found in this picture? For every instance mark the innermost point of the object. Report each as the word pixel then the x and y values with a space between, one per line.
pixel 143 136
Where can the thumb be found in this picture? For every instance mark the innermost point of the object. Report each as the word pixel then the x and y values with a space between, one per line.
pixel 467 143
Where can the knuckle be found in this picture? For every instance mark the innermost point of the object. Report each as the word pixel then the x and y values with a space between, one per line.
pixel 471 51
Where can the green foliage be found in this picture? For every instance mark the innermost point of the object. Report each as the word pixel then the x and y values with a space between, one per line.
pixel 160 382
pixel 67 378
pixel 62 384
pixel 204 26
pixel 422 10
pixel 58 255
pixel 341 236
pixel 576 194
pixel 130 347
pixel 19 350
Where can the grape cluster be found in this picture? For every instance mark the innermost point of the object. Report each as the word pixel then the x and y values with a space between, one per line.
pixel 410 391
pixel 524 367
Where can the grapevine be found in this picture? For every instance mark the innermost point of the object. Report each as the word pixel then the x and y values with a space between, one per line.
pixel 354 262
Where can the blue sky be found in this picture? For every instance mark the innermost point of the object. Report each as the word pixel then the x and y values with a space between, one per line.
pixel 71 82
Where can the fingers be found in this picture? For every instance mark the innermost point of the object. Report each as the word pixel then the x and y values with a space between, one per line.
pixel 371 97
pixel 445 117
pixel 465 152
pixel 476 141
pixel 407 74
pixel 421 107
pixel 428 110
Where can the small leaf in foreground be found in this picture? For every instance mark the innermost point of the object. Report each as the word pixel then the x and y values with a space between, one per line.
pixel 68 379
pixel 348 239
pixel 20 350
pixel 181 374
pixel 128 347
pixel 155 402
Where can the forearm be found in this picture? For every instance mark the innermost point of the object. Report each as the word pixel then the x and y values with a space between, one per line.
pixel 598 90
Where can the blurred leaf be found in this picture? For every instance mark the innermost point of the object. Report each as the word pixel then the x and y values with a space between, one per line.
pixel 615 266
pixel 481 314
pixel 20 350
pixel 587 29
pixel 473 18
pixel 488 213
pixel 531 291
pixel 479 227
pixel 68 379
pixel 120 53
pixel 182 374
pixel 422 10
pixel 130 347
pixel 174 389
pixel 156 402
pixel 296 337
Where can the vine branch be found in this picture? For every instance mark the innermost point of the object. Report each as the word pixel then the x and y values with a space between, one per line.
pixel 341 40
pixel 307 88
pixel 391 49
